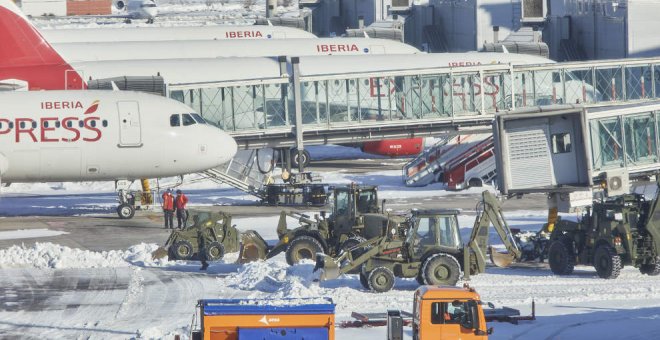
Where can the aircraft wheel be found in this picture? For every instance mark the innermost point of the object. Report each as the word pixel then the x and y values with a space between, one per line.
pixel 607 262
pixel 381 280
pixel 183 250
pixel 125 211
pixel 441 269
pixel 301 248
pixel 561 257
pixel 214 251
pixel 306 158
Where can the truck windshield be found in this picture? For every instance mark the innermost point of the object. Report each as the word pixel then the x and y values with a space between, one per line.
pixel 455 312
pixel 367 202
pixel 440 230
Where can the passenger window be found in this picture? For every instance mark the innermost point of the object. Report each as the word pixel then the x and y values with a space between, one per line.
pixel 34 125
pixel 175 120
pixel 105 123
pixel 81 124
pixel 57 123
pixel 22 125
pixel 92 123
pixel 45 123
pixel 198 118
pixel 187 119
pixel 69 124
pixel 561 143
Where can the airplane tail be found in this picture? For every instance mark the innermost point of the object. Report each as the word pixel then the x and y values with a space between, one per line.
pixel 26 56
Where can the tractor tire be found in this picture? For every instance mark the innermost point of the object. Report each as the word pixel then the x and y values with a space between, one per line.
pixel 214 251
pixel 561 257
pixel 420 278
pixel 652 269
pixel 441 269
pixel 364 279
pixel 302 247
pixel 381 280
pixel 607 262
pixel 125 211
pixel 182 250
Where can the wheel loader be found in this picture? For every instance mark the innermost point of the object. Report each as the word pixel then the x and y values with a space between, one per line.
pixel 428 248
pixel 617 232
pixel 356 217
pixel 208 237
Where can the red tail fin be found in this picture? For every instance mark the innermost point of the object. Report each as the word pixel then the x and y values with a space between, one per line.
pixel 26 55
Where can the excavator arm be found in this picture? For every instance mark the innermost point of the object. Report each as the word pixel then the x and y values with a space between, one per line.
pixel 476 249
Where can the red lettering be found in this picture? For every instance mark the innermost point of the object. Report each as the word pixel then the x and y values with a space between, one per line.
pixel 333 48
pixel 44 129
pixel 29 130
pixel 78 105
pixel 258 34
pixel 88 126
pixel 354 48
pixel 65 125
pixel 3 123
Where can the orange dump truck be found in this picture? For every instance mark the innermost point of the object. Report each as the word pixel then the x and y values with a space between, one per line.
pixel 246 319
pixel 447 312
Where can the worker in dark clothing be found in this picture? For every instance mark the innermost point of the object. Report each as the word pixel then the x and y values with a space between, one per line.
pixel 201 244
pixel 168 208
pixel 180 204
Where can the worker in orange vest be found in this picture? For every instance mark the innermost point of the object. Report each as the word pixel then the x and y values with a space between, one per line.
pixel 180 204
pixel 168 208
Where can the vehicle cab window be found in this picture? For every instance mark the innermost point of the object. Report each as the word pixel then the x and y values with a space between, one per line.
pixel 457 312
pixel 175 120
pixel 187 119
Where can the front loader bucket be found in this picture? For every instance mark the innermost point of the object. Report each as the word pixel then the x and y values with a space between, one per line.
pixel 327 265
pixel 159 253
pixel 253 247
pixel 501 260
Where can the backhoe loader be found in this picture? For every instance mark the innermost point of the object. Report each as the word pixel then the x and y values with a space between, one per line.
pixel 428 248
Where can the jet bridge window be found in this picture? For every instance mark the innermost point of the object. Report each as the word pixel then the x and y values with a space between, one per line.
pixel 187 119
pixel 175 120
pixel 561 143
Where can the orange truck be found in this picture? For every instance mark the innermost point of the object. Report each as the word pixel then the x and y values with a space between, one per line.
pixel 447 312
pixel 247 319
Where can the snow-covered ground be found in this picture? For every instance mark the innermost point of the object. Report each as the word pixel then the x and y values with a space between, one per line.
pixel 52 291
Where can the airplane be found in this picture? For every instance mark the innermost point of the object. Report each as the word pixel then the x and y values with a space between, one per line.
pixel 200 49
pixel 217 70
pixel 138 9
pixel 90 135
pixel 76 35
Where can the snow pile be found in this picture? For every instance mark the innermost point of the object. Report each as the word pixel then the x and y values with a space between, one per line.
pixel 49 255
pixel 276 280
pixel 29 233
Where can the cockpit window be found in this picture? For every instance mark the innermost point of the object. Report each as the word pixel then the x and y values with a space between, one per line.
pixel 187 119
pixel 198 118
pixel 175 120
pixel 148 5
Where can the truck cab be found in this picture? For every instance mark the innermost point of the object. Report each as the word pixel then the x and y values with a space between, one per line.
pixel 447 312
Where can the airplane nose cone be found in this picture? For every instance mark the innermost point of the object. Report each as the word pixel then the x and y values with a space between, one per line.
pixel 228 148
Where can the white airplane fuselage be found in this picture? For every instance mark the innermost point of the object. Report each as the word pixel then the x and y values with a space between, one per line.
pixel 103 135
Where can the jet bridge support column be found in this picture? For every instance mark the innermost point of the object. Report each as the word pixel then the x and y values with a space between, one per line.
pixel 295 63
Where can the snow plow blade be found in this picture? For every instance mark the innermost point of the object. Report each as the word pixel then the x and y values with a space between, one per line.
pixel 328 267
pixel 502 260
pixel 159 253
pixel 253 247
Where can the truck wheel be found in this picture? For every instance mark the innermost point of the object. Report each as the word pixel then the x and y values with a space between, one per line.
pixel 183 250
pixel 651 269
pixel 381 280
pixel 214 251
pixel 441 269
pixel 302 247
pixel 560 256
pixel 607 262
pixel 125 211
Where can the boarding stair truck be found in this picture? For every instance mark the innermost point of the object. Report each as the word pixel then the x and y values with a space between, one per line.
pixel 459 162
pixel 619 231
pixel 430 250
pixel 356 217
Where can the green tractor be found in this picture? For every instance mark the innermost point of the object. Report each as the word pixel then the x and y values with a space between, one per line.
pixel 209 236
pixel 425 245
pixel 356 217
pixel 623 230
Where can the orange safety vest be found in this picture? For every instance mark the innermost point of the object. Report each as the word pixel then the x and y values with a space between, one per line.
pixel 168 201
pixel 181 201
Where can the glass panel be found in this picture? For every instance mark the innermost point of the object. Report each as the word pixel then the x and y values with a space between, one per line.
pixel 579 86
pixel 275 102
pixel 640 139
pixel 609 83
pixel 496 92
pixel 638 85
pixel 338 100
pixel 606 143
pixel 187 119
pixel 310 108
pixel 174 120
